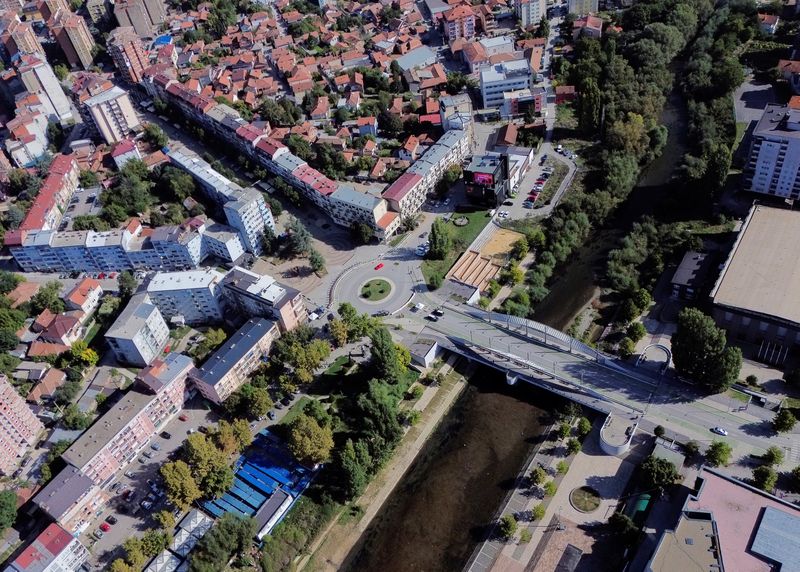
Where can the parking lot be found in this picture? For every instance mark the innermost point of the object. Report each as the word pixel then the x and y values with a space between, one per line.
pixel 131 517
pixel 83 202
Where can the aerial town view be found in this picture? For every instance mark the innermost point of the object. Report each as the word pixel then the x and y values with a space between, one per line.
pixel 399 286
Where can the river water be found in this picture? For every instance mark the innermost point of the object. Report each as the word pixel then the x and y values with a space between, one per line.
pixel 438 513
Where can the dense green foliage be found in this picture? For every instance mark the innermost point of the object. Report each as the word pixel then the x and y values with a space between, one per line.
pixel 701 352
pixel 231 535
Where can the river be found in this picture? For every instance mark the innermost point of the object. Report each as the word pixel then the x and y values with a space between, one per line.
pixel 436 516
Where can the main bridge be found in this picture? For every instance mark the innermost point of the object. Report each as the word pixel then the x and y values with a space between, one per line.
pixel 542 356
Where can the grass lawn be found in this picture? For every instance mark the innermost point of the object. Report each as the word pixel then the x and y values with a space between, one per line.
pixel 435 270
pixel 337 366
pixel 376 289
pixel 738 395
pixel 295 410
pixel 741 127
pixel 398 239
pixel 585 499
pixel 565 117
pixel 90 335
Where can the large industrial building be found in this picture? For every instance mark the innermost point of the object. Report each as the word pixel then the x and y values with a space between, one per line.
pixel 756 295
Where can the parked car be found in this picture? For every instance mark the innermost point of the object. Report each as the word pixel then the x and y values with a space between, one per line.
pixel 155 447
pixel 147 505
pixel 183 417
pixel 129 474
pixel 111 519
pixel 286 401
pixel 166 435
pixel 432 318
pixel 98 534
pixel 105 527
pixel 438 312
pixel 148 454
pixel 271 415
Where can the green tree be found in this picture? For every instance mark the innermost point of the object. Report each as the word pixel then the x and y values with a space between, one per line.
pixel 8 509
pixel 441 242
pixel 175 184
pixel 154 542
pixel 74 419
pixel 9 281
pixel 508 526
pixel 564 430
pixel 692 448
pixel 134 552
pixel 363 232
pixel 659 431
pixel 48 297
pixel 784 421
pixel 127 284
pixel 550 488
pixel 154 135
pixel 309 442
pixel 626 347
pixel 584 427
pixel 299 242
pixel 589 106
pixel 538 512
pixel 765 478
pixel 773 456
pixel 165 519
pixel 353 463
pixel 316 261
pixel 538 476
pixel 61 71
pixel 795 479
pixel 657 473
pixel 119 565
pixel 718 454
pixel 384 354
pixel 338 331
pixel 232 534
pixel 636 331
pixel 700 351
pixel 179 484
pixel 87 178
pixel 573 446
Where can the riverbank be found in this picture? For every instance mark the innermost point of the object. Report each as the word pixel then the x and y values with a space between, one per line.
pixel 332 547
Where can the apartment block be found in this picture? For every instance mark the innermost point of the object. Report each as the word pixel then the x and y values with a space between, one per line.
pixel 144 16
pixel 260 295
pixel 27 141
pixel 245 209
pixel 192 297
pixel 520 102
pixel 98 10
pixel 139 334
pixel 407 194
pixel 54 195
pixel 507 76
pixel 231 365
pixel 37 76
pixel 773 167
pixel 112 114
pixel 17 37
pixel 54 550
pixel 125 48
pixel 530 12
pixel 349 207
pixel 19 427
pixel 459 22
pixel 581 7
pixel 73 37
pixel 115 440
pixel 71 499
pixel 49 8
pixel 11 6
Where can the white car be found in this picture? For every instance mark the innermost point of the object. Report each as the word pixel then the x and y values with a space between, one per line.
pixel 720 431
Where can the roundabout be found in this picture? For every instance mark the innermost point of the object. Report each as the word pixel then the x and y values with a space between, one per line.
pixel 375 290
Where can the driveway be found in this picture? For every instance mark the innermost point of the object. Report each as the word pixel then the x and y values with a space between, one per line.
pixel 751 98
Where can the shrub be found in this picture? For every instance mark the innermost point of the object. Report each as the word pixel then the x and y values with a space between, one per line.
pixel 508 526
pixel 659 431
pixel 562 467
pixel 538 512
pixel 550 488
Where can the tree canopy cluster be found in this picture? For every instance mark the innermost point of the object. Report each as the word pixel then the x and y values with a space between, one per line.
pixel 700 351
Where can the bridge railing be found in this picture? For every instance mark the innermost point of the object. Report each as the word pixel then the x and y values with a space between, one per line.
pixel 541 332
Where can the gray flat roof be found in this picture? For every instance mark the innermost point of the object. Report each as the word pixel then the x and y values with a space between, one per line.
pixel 689 269
pixel 63 491
pixel 778 539
pixel 133 317
pixel 233 350
pixel 779 121
pixel 762 274
pixel 106 428
pixel 416 58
